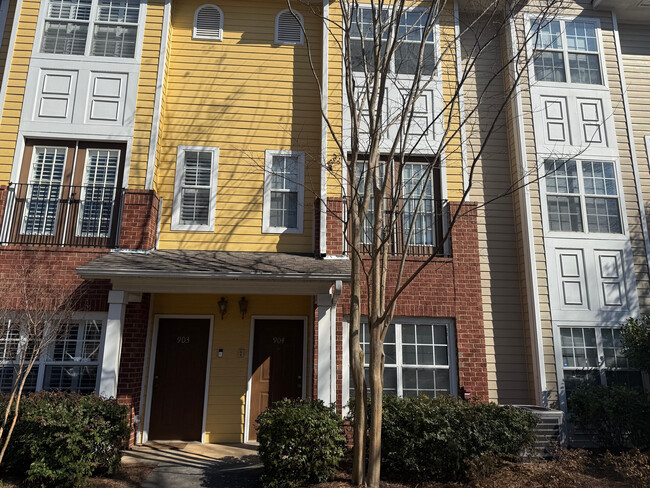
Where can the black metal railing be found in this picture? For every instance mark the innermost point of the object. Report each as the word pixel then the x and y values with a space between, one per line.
pixel 415 226
pixel 61 215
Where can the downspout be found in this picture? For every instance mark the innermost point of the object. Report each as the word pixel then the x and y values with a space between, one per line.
pixel 323 143
pixel 534 315
pixel 336 293
pixel 630 137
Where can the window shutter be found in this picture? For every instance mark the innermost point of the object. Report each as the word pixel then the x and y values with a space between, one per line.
pixel 288 28
pixel 207 22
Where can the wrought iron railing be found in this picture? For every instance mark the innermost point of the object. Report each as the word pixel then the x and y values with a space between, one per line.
pixel 61 215
pixel 417 229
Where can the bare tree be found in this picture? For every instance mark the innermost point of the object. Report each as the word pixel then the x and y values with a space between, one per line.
pixel 34 313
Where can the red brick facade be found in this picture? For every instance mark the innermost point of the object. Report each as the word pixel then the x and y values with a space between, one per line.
pixel 445 288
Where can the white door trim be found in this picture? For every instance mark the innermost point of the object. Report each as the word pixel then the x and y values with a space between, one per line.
pixel 250 361
pixel 152 368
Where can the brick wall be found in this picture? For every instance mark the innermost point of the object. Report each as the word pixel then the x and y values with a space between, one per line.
pixel 445 288
pixel 134 341
pixel 139 220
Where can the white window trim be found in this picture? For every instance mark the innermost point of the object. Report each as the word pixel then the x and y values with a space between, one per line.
pixel 178 185
pixel 219 36
pixel 266 211
pixel 585 234
pixel 45 360
pixel 452 346
pixel 530 49
pixel 302 27
pixel 135 60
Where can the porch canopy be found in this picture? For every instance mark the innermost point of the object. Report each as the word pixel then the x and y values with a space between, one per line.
pixel 178 271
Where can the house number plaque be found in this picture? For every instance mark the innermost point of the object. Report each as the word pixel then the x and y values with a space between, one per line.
pixel 278 340
pixel 183 340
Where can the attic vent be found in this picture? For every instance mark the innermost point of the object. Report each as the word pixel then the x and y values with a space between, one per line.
pixel 288 28
pixel 208 23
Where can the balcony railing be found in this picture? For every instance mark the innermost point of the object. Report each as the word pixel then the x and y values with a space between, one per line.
pixel 61 215
pixel 426 219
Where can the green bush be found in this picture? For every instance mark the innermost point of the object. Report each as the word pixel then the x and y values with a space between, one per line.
pixel 438 439
pixel 635 336
pixel 300 442
pixel 618 417
pixel 62 438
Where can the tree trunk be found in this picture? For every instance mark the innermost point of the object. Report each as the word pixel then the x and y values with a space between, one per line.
pixel 376 400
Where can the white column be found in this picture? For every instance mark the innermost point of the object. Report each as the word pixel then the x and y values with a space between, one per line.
pixel 117 301
pixel 324 303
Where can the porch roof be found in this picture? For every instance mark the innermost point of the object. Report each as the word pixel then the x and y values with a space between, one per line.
pixel 216 271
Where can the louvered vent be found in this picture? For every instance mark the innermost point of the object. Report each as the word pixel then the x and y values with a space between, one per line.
pixel 207 22
pixel 288 28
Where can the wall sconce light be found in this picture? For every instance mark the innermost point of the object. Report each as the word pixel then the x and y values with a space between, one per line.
pixel 243 306
pixel 223 306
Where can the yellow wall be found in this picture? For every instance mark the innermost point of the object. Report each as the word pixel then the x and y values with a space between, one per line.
pixel 228 374
pixel 244 95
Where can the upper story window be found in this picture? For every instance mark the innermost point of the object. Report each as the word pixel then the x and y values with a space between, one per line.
pixel 289 28
pixel 582 196
pixel 284 192
pixel 106 28
pixel 567 51
pixel 414 26
pixel 208 23
pixel 195 194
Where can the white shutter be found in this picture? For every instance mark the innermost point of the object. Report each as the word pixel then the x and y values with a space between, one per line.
pixel 288 29
pixel 98 193
pixel 208 20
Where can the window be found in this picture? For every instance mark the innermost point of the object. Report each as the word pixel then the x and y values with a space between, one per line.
pixel 419 209
pixel 288 27
pixel 195 194
pixel 414 25
pixel 208 23
pixel 594 354
pixel 582 196
pixel 68 194
pixel 111 24
pixel 563 47
pixel 283 192
pixel 70 363
pixel 419 358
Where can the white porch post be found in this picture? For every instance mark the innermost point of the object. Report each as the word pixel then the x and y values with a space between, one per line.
pixel 324 302
pixel 117 301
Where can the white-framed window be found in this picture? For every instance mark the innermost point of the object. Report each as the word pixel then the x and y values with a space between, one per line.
pixel 595 355
pixel 419 205
pixel 582 196
pixel 283 192
pixel 208 23
pixel 106 28
pixel 72 362
pixel 414 26
pixel 289 27
pixel 195 191
pixel 420 358
pixel 567 51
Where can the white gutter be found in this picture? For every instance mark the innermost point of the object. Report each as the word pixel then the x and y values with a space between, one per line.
pixel 534 315
pixel 155 122
pixel 461 98
pixel 10 55
pixel 323 142
pixel 632 143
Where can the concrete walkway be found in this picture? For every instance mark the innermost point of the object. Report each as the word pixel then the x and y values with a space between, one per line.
pixel 190 465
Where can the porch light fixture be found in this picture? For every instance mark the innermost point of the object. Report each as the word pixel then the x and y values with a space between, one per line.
pixel 243 306
pixel 223 306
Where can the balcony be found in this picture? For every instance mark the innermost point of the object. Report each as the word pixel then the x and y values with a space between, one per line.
pixel 61 215
pixel 427 219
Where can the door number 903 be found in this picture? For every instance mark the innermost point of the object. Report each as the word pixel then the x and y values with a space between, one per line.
pixel 183 340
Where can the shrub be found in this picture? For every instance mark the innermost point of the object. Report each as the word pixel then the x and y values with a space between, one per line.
pixel 438 439
pixel 62 438
pixel 635 336
pixel 300 442
pixel 618 417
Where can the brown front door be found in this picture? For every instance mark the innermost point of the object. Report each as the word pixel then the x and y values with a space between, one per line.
pixel 179 379
pixel 277 365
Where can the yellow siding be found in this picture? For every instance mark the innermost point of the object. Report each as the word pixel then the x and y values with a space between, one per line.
pixel 6 36
pixel 244 95
pixel 13 102
pixel 146 93
pixel 229 374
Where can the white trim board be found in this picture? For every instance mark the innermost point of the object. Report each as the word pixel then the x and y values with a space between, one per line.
pixel 10 55
pixel 152 368
pixel 250 361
